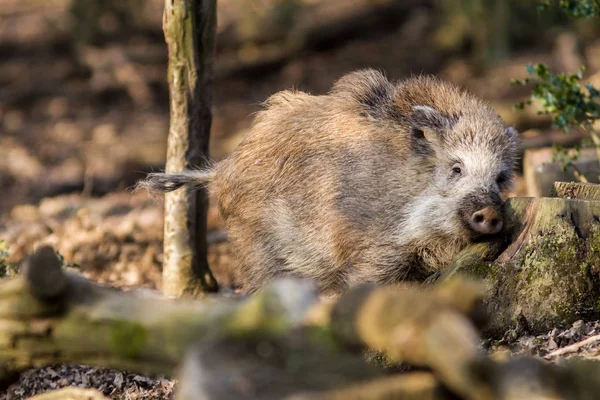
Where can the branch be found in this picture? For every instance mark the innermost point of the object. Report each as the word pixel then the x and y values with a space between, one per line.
pixel 417 385
pixel 66 318
pixel 424 328
pixel 573 348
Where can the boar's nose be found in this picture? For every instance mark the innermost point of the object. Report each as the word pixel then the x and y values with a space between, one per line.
pixel 486 221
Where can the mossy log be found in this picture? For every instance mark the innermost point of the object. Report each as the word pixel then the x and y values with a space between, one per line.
pixel 417 327
pixel 409 386
pixel 279 343
pixel 406 323
pixel 49 316
pixel 548 274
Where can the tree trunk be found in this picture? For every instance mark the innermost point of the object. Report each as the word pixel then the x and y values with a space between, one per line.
pixel 189 27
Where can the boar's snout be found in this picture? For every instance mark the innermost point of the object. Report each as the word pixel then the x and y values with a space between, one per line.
pixel 487 221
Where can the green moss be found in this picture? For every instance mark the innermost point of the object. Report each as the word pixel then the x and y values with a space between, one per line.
pixel 484 270
pixel 324 337
pixel 597 306
pixel 379 359
pixel 259 315
pixel 128 338
pixel 553 283
pixel 470 261
pixel 6 269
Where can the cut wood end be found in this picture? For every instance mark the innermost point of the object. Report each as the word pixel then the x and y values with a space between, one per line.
pixel 44 274
pixel 577 190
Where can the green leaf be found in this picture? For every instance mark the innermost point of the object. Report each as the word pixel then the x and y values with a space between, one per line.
pixel 6 269
pixel 574 8
pixel 563 97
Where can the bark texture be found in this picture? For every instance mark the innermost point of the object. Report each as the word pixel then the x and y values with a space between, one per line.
pixel 189 27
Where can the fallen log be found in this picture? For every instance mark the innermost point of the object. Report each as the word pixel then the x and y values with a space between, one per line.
pixel 49 316
pixel 417 327
pixel 280 342
pixel 378 318
pixel 517 379
pixel 410 386
pixel 405 322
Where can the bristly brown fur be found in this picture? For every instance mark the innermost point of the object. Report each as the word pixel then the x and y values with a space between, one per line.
pixel 359 185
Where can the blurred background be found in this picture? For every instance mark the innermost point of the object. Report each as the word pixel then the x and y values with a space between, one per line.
pixel 84 100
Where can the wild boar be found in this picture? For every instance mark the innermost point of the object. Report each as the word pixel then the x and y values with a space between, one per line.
pixel 373 182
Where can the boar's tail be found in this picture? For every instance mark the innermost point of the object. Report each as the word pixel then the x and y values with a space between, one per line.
pixel 164 182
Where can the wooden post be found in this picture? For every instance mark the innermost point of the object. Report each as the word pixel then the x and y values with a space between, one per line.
pixel 189 27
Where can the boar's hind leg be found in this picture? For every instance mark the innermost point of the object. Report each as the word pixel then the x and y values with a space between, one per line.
pixel 386 264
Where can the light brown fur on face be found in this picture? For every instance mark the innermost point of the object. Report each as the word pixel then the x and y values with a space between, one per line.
pixel 360 185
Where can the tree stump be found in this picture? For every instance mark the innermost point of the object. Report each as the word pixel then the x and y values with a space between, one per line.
pixel 548 271
pixel 577 190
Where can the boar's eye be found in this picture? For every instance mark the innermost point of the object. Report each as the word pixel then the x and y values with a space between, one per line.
pixel 456 170
pixel 418 133
pixel 502 178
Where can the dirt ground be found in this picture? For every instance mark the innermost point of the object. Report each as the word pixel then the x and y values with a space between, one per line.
pixel 79 128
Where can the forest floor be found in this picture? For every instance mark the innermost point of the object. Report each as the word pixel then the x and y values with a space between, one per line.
pixel 79 128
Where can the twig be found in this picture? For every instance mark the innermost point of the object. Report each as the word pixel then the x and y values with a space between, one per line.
pixel 572 348
pixel 579 175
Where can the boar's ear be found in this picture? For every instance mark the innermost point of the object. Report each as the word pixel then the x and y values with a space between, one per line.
pixel 512 133
pixel 430 123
